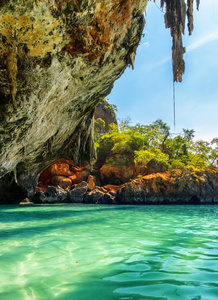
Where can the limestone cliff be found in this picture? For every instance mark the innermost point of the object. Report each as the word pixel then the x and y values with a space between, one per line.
pixel 105 112
pixel 57 59
pixel 162 188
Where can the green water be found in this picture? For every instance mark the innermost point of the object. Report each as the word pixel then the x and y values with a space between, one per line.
pixel 83 252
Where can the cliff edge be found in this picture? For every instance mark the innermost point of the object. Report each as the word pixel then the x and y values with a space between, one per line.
pixel 57 60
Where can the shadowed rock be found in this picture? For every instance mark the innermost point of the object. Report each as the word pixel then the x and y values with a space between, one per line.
pixel 57 60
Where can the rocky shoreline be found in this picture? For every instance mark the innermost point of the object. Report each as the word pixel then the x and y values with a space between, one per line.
pixel 65 183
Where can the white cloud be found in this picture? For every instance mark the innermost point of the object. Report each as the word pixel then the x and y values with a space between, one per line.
pixel 206 39
pixel 158 63
pixel 144 45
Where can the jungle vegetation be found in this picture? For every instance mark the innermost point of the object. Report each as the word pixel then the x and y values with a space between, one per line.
pixel 139 144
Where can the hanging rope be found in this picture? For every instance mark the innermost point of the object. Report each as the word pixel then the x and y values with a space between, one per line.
pixel 174 105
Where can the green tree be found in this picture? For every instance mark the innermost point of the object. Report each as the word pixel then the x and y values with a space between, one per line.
pixel 145 156
pixel 202 149
pixel 188 134
pixel 125 144
pixel 214 151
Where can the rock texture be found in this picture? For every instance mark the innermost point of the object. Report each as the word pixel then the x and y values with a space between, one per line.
pixel 175 18
pixel 57 59
pixel 162 188
pixel 153 185
pixel 156 188
pixel 117 174
pixel 106 112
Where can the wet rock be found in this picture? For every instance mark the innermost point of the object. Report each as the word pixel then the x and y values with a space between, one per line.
pixel 78 193
pixel 95 196
pixel 108 198
pixel 100 196
pixel 55 195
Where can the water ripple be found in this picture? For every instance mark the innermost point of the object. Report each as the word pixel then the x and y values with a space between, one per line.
pixel 108 252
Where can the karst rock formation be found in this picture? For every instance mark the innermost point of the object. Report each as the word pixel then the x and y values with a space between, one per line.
pixel 58 58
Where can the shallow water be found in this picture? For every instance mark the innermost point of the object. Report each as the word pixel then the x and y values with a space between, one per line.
pixel 83 252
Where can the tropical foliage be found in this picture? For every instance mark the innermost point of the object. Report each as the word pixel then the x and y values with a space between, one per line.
pixel 140 144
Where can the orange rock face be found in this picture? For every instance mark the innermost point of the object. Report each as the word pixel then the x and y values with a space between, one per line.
pixel 64 173
pixel 117 174
pixel 81 176
pixel 91 182
pixel 112 188
pixel 61 181
pixel 73 178
pixel 61 169
pixel 45 177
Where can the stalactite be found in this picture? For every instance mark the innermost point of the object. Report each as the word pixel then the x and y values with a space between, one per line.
pixel 15 175
pixel 190 16
pixel 175 20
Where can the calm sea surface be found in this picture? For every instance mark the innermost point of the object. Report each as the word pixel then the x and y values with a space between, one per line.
pixel 91 252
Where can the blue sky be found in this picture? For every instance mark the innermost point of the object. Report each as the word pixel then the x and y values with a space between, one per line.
pixel 146 93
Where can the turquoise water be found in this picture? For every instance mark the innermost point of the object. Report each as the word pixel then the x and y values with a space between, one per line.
pixel 83 252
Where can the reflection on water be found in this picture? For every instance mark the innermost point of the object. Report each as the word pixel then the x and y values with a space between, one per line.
pixel 84 252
